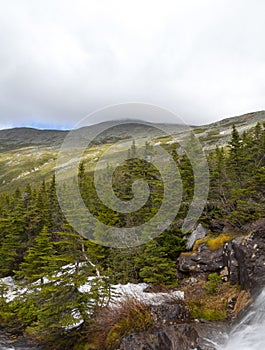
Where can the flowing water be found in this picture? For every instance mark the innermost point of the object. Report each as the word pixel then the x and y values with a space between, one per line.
pixel 249 334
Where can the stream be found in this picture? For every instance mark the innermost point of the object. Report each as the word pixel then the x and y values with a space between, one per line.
pixel 249 333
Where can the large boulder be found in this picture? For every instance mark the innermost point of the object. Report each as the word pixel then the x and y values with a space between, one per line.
pixel 170 313
pixel 201 261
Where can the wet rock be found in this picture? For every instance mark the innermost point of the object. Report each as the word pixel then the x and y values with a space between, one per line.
pixel 208 331
pixel 177 337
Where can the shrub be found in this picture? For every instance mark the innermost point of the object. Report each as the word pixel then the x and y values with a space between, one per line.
pixel 212 286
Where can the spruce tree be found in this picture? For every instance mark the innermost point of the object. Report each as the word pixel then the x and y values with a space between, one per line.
pixel 39 260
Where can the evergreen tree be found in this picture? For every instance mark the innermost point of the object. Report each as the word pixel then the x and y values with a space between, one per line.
pixel 236 159
pixel 39 260
pixel 159 269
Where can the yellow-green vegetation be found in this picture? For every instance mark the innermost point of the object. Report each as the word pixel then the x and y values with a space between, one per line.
pixel 200 309
pixel 212 306
pixel 214 243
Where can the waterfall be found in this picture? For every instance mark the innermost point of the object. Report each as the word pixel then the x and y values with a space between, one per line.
pixel 249 334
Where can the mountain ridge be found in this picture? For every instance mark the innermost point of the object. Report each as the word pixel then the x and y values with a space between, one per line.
pixel 28 155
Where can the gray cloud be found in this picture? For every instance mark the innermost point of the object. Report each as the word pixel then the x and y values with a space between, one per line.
pixel 60 60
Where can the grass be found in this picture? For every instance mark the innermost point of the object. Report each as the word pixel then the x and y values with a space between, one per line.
pixel 214 306
pixel 113 323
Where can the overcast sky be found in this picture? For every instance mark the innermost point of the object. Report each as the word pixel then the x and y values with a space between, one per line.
pixel 60 60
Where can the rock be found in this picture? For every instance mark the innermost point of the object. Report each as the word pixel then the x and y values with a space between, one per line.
pixel 202 260
pixel 191 281
pixel 224 274
pixel 249 253
pixel 177 337
pixel 198 233
pixel 210 330
pixel 231 263
pixel 231 302
pixel 245 260
pixel 170 313
pixel 240 261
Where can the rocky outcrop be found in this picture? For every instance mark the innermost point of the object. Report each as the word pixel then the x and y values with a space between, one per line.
pixel 240 261
pixel 246 261
pixel 201 261
pixel 178 337
pixel 173 330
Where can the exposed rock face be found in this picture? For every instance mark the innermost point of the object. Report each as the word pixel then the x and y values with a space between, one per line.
pixel 248 252
pixel 170 313
pixel 202 260
pixel 172 331
pixel 178 337
pixel 198 233
pixel 242 260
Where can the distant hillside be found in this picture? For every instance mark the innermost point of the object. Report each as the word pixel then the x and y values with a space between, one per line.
pixel 24 137
pixel 29 155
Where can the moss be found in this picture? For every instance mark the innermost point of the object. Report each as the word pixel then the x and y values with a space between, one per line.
pixel 214 243
pixel 214 307
pixel 199 242
pixel 200 309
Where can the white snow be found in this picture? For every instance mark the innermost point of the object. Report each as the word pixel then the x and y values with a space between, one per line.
pixel 121 292
pixel 137 291
pixel 12 289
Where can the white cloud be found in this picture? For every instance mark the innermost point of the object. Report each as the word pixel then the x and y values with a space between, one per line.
pixel 60 60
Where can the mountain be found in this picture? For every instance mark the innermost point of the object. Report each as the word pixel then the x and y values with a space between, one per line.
pixel 29 155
